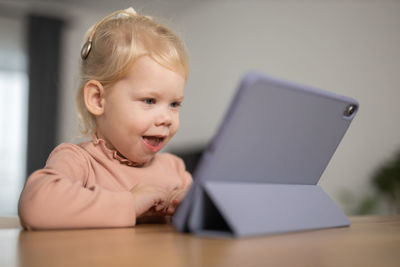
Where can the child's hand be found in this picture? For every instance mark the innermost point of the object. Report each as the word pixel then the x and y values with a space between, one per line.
pixel 175 199
pixel 149 197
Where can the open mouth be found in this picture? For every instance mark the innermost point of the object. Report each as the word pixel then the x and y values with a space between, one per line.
pixel 154 143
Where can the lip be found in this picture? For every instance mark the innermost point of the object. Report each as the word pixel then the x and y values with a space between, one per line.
pixel 152 147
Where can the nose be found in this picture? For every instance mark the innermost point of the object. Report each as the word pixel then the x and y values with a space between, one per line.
pixel 164 118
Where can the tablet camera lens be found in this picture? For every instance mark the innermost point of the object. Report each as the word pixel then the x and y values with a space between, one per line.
pixel 350 109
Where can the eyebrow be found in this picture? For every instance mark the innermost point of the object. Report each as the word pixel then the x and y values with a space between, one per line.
pixel 157 95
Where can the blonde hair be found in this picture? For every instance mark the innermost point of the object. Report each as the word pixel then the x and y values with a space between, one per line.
pixel 115 43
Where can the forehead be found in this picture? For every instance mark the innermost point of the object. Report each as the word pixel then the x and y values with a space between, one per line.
pixel 146 63
pixel 147 74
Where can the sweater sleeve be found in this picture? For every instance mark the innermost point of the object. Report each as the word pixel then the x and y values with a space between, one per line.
pixel 57 196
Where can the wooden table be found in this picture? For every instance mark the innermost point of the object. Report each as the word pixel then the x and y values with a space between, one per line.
pixel 370 241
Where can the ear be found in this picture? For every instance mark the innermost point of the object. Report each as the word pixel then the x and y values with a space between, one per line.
pixel 93 93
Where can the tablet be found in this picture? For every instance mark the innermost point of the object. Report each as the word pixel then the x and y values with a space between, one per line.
pixel 274 132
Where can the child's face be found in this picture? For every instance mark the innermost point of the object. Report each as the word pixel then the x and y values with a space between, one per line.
pixel 141 111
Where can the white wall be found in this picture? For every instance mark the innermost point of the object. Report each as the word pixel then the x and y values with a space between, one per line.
pixel 347 47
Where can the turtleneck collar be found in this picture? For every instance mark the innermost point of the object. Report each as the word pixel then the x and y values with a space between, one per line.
pixel 111 153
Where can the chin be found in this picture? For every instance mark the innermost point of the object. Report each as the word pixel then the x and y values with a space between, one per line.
pixel 144 160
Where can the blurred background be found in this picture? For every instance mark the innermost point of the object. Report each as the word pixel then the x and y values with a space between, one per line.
pixel 346 47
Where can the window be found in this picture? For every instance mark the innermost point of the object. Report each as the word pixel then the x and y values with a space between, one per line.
pixel 13 114
pixel 13 122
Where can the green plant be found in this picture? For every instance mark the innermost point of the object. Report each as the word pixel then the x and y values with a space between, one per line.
pixel 386 184
pixel 386 181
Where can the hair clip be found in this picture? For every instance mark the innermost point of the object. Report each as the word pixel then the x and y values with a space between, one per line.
pixel 86 49
pixel 130 10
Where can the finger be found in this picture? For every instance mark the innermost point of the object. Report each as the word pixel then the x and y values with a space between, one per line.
pixel 179 197
pixel 171 210
pixel 176 201
pixel 159 208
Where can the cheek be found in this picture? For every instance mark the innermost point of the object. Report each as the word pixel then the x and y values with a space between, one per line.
pixel 137 123
pixel 176 124
pixel 137 119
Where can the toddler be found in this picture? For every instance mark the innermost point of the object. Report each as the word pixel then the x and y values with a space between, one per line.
pixel 133 73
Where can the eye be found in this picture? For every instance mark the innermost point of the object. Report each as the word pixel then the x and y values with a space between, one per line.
pixel 149 101
pixel 176 104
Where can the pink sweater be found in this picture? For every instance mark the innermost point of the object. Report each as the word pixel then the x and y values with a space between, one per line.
pixel 87 185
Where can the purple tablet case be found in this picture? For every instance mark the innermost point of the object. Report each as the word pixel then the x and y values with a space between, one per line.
pixel 259 174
